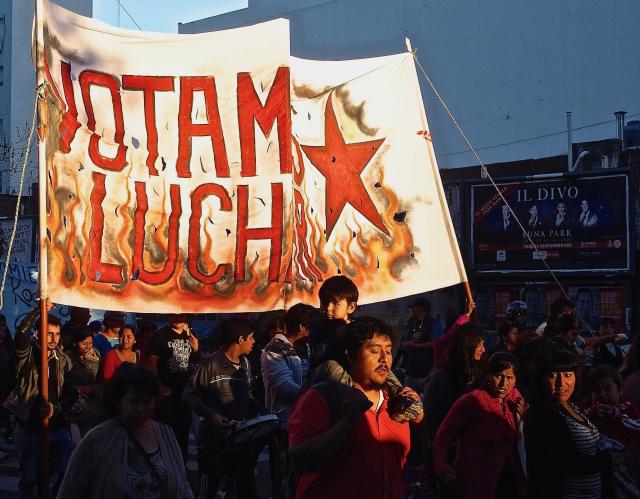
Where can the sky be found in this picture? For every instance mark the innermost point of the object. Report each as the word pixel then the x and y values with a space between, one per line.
pixel 161 15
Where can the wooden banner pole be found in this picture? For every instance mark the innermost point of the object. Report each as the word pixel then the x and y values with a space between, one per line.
pixel 467 289
pixel 43 476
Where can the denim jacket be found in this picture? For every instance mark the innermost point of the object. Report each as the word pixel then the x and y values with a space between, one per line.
pixel 282 376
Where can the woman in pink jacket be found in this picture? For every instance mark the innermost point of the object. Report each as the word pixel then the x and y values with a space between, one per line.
pixel 485 425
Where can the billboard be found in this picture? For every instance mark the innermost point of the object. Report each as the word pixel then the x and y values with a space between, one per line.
pixel 454 194
pixel 577 223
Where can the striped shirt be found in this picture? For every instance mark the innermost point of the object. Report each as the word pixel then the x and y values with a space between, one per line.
pixel 585 437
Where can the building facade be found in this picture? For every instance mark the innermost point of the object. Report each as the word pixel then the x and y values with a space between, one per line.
pixel 509 70
pixel 17 88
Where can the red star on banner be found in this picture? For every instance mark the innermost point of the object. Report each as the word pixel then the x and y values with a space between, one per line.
pixel 342 164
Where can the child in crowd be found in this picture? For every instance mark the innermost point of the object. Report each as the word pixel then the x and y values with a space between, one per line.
pixel 338 300
pixel 615 419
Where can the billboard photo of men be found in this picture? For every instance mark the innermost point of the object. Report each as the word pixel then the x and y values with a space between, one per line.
pixel 507 223
pixel 587 218
pixel 561 216
pixel 534 221
pixel 584 304
pixel 535 305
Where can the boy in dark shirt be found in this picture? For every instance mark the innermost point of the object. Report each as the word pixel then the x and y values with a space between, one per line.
pixel 220 392
pixel 172 350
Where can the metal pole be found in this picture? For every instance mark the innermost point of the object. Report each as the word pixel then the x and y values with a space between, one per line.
pixel 43 476
pixel 620 126
pixel 569 142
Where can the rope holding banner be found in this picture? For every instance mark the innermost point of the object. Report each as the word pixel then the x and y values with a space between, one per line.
pixel 39 95
pixel 486 171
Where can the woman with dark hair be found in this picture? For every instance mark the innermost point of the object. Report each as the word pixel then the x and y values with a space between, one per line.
pixel 86 412
pixel 568 331
pixel 458 374
pixel 85 357
pixel 526 351
pixel 560 306
pixel 507 338
pixel 563 459
pixel 124 352
pixel 129 455
pixel 484 424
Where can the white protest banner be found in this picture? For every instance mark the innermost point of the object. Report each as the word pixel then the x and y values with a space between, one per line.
pixel 175 181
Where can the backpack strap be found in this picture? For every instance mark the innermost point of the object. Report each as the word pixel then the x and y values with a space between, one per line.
pixel 331 396
pixel 330 392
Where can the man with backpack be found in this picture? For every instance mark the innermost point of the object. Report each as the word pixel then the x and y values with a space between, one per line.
pixel 220 392
pixel 343 441
pixel 282 369
pixel 283 375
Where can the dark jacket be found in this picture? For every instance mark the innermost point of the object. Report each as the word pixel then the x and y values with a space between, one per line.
pixel 7 368
pixel 552 455
pixel 21 400
pixel 217 387
pixel 604 356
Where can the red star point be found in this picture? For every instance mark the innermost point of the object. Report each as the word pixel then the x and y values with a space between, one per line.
pixel 342 165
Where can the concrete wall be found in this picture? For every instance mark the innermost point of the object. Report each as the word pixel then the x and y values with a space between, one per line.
pixel 508 69
pixel 18 92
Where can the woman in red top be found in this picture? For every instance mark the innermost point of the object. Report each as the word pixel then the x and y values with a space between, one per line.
pixel 122 353
pixel 485 424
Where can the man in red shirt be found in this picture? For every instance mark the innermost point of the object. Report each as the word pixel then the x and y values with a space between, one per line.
pixel 347 445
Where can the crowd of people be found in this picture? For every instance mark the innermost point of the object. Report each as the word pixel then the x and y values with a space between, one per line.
pixel 345 406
